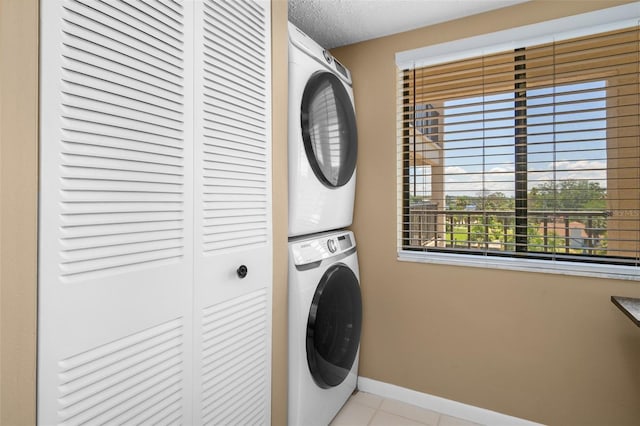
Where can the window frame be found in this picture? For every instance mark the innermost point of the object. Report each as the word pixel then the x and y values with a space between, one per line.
pixel 545 32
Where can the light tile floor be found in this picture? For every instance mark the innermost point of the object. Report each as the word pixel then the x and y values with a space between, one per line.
pixel 367 409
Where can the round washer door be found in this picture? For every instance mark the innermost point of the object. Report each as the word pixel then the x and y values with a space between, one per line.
pixel 333 326
pixel 329 132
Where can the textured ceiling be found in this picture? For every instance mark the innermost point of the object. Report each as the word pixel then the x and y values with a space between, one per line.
pixel 334 23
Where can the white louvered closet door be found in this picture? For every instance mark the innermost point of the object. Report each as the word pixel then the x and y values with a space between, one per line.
pixel 232 329
pixel 155 191
pixel 116 213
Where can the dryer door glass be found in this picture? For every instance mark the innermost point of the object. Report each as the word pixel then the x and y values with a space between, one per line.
pixel 329 131
pixel 333 326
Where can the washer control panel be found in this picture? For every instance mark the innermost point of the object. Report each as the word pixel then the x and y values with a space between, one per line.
pixel 321 247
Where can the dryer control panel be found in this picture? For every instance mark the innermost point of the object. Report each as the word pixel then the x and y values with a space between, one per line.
pixel 307 45
pixel 321 247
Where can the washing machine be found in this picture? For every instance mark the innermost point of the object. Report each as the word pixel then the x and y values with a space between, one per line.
pixel 323 140
pixel 325 320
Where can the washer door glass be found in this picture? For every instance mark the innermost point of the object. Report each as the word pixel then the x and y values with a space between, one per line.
pixel 329 129
pixel 333 327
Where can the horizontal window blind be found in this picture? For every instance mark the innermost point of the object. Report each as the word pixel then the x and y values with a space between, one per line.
pixel 531 152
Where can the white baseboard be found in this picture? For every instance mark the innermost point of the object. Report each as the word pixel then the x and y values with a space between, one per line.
pixel 441 405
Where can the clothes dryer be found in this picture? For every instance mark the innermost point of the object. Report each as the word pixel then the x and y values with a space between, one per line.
pixel 325 320
pixel 323 140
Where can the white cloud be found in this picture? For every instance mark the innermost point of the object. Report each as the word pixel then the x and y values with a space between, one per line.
pixel 501 170
pixel 577 165
pixel 454 170
pixel 592 170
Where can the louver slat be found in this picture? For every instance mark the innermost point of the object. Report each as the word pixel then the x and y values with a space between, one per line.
pixel 234 349
pixel 123 129
pixel 118 382
pixel 234 125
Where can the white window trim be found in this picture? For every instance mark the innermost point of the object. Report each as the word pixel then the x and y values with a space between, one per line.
pixel 544 32
pixel 582 269
pixel 573 26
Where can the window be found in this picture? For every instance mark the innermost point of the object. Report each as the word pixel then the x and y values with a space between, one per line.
pixel 531 152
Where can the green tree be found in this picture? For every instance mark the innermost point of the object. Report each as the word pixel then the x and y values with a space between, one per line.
pixel 569 195
pixel 497 201
pixel 459 202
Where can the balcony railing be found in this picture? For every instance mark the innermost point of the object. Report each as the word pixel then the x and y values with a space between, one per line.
pixel 575 231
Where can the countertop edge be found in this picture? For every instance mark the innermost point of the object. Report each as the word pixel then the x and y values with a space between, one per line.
pixel 623 303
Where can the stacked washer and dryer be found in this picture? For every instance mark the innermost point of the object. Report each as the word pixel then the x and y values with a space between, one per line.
pixel 325 306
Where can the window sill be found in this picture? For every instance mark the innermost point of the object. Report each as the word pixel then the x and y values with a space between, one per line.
pixel 525 265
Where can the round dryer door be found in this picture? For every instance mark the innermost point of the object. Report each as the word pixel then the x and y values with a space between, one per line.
pixel 333 327
pixel 329 129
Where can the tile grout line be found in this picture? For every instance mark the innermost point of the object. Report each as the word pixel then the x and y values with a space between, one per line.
pixel 380 409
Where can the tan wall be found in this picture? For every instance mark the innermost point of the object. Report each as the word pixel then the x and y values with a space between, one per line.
pixel 18 208
pixel 549 348
pixel 280 222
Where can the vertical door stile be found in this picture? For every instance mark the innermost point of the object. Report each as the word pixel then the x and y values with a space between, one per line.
pixel 198 82
pixel 190 146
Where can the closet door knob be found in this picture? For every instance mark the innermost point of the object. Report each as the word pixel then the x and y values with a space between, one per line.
pixel 242 271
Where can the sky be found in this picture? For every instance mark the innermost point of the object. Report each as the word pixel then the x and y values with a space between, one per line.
pixel 561 143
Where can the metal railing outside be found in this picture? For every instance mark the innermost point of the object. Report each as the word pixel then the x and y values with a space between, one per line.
pixel 576 231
